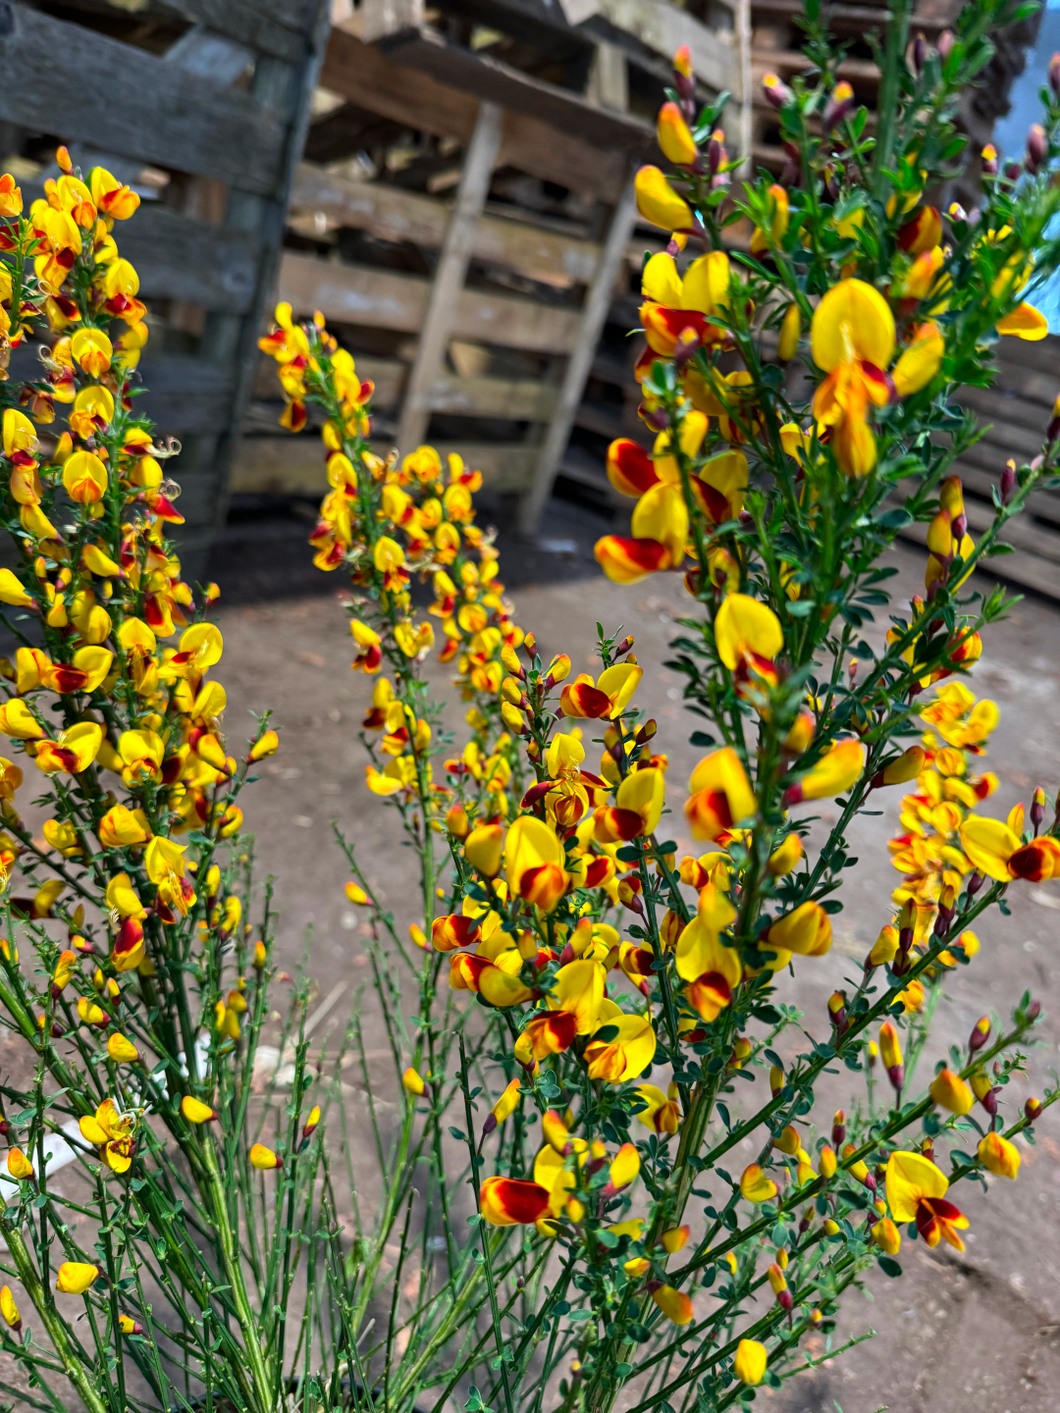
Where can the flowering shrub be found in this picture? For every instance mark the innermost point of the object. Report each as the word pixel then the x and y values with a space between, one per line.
pixel 173 1196
pixel 630 1026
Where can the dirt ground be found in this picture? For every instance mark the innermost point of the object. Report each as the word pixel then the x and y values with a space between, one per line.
pixel 979 1333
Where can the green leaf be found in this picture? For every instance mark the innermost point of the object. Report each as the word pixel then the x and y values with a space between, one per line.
pixel 889 1266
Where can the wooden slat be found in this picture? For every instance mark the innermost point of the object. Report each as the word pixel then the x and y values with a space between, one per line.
pixel 450 275
pixel 664 28
pixel 517 399
pixel 186 396
pixel 850 19
pixel 179 258
pixel 1004 410
pixel 392 214
pixel 295 465
pixel 74 83
pixel 493 81
pixel 275 27
pixel 513 399
pixel 353 294
pixel 368 78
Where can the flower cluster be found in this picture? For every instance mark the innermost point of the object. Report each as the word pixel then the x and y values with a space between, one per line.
pixel 127 970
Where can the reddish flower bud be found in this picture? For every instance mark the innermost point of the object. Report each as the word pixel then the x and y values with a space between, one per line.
pixel 777 93
pixel 918 53
pixel 1054 73
pixel 979 1035
pixel 1037 148
pixel 1032 1109
pixel 946 41
pixel 988 160
pixel 839 106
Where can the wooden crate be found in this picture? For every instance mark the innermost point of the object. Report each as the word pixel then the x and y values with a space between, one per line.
pixel 202 106
pixel 486 287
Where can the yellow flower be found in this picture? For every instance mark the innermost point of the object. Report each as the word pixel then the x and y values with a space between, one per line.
pixel 195 1111
pixel 755 1186
pixel 75 1277
pixel 749 1366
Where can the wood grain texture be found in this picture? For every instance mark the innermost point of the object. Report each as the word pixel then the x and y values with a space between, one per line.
pixel 368 78
pixel 393 214
pixel 295 465
pixel 493 81
pixel 72 82
pixel 275 27
pixel 353 294
pixel 185 396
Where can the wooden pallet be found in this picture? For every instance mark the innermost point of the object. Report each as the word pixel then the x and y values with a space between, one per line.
pixel 209 101
pixel 473 310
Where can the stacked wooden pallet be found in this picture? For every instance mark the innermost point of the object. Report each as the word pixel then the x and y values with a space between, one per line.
pixel 202 106
pixel 494 320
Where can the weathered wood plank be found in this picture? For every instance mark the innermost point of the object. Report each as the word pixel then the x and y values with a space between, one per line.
pixel 393 214
pixel 352 294
pixel 663 28
pixel 275 27
pixel 75 83
pixel 518 399
pixel 1010 409
pixel 515 399
pixel 494 81
pixel 450 274
pixel 361 73
pixel 179 258
pixel 295 465
pixel 185 396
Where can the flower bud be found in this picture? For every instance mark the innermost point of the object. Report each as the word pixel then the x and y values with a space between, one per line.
pixel 980 1032
pixel 790 329
pixel 839 106
pixel 839 1128
pixel 918 52
pixel 777 93
pixel 891 1053
pixel 1037 149
pixel 684 78
pixel 828 1162
pixel 1032 1109
pixel 945 43
pixel 1013 170
pixel 988 160
pixel 999 1156
pixel 776 1080
pixel 1054 74
pixel 716 154
pixel 456 822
